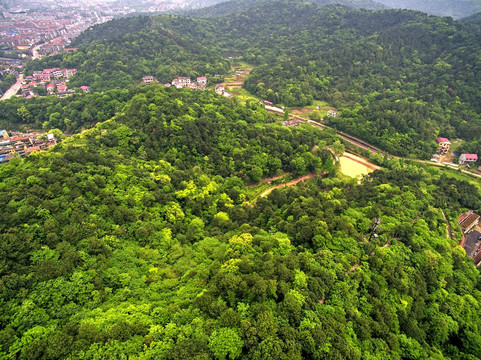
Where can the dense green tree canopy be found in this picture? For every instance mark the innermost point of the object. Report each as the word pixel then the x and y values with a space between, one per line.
pixel 146 237
pixel 139 239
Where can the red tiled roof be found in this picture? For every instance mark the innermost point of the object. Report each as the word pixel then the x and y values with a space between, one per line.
pixel 19 138
pixel 442 140
pixel 470 156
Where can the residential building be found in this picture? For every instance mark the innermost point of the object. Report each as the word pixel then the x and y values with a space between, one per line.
pixel 23 144
pixel 202 81
pixel 332 112
pixel 181 81
pixel 472 246
pixel 148 79
pixel 4 134
pixel 50 88
pixel 468 220
pixel 57 73
pixel 444 145
pixel 467 158
pixel 219 89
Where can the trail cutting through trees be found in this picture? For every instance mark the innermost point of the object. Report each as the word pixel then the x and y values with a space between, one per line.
pixel 290 183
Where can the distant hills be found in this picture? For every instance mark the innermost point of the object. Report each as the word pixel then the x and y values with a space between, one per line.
pixel 476 18
pixel 232 7
pixel 454 8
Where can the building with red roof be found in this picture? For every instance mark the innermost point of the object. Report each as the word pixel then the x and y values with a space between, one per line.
pixel 202 81
pixel 466 158
pixel 444 145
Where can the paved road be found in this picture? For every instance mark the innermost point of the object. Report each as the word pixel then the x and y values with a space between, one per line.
pixel 373 149
pixel 13 89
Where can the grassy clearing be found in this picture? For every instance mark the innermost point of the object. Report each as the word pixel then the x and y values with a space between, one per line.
pixel 243 94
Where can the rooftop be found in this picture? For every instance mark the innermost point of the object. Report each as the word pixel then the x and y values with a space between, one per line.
pixel 467 221
pixel 473 240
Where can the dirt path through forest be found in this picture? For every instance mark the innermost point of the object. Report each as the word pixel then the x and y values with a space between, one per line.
pixel 448 226
pixel 289 184
pixel 267 180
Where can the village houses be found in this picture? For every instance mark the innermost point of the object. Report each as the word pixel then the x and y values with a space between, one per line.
pixel 468 158
pixel 444 145
pixel 20 145
pixel 332 112
pixel 183 82
pixel 53 80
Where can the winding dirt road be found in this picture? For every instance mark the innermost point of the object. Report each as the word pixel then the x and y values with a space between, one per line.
pixel 290 183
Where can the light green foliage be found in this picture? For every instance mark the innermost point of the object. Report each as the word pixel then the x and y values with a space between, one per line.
pixel 225 343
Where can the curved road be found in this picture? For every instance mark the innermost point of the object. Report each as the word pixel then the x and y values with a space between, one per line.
pixel 365 145
pixel 13 89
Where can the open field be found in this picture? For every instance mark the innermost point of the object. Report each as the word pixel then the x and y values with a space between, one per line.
pixel 355 166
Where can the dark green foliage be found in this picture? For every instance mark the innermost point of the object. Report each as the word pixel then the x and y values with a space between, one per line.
pixel 70 114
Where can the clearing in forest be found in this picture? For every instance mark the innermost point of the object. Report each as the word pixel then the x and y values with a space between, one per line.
pixel 355 166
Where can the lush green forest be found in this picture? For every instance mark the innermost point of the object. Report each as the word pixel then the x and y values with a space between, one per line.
pixel 399 78
pixel 70 114
pixel 128 52
pixel 140 239
pixel 145 236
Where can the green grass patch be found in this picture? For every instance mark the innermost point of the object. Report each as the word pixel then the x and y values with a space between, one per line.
pixel 459 176
pixel 243 94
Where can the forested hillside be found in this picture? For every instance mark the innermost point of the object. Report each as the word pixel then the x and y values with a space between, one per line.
pixel 146 235
pixel 124 57
pixel 232 7
pixel 139 239
pixel 456 9
pixel 399 78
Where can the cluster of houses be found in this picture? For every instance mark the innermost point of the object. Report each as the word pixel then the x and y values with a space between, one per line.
pixel 444 145
pixel 22 30
pixel 471 237
pixel 20 145
pixel 180 82
pixel 54 81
